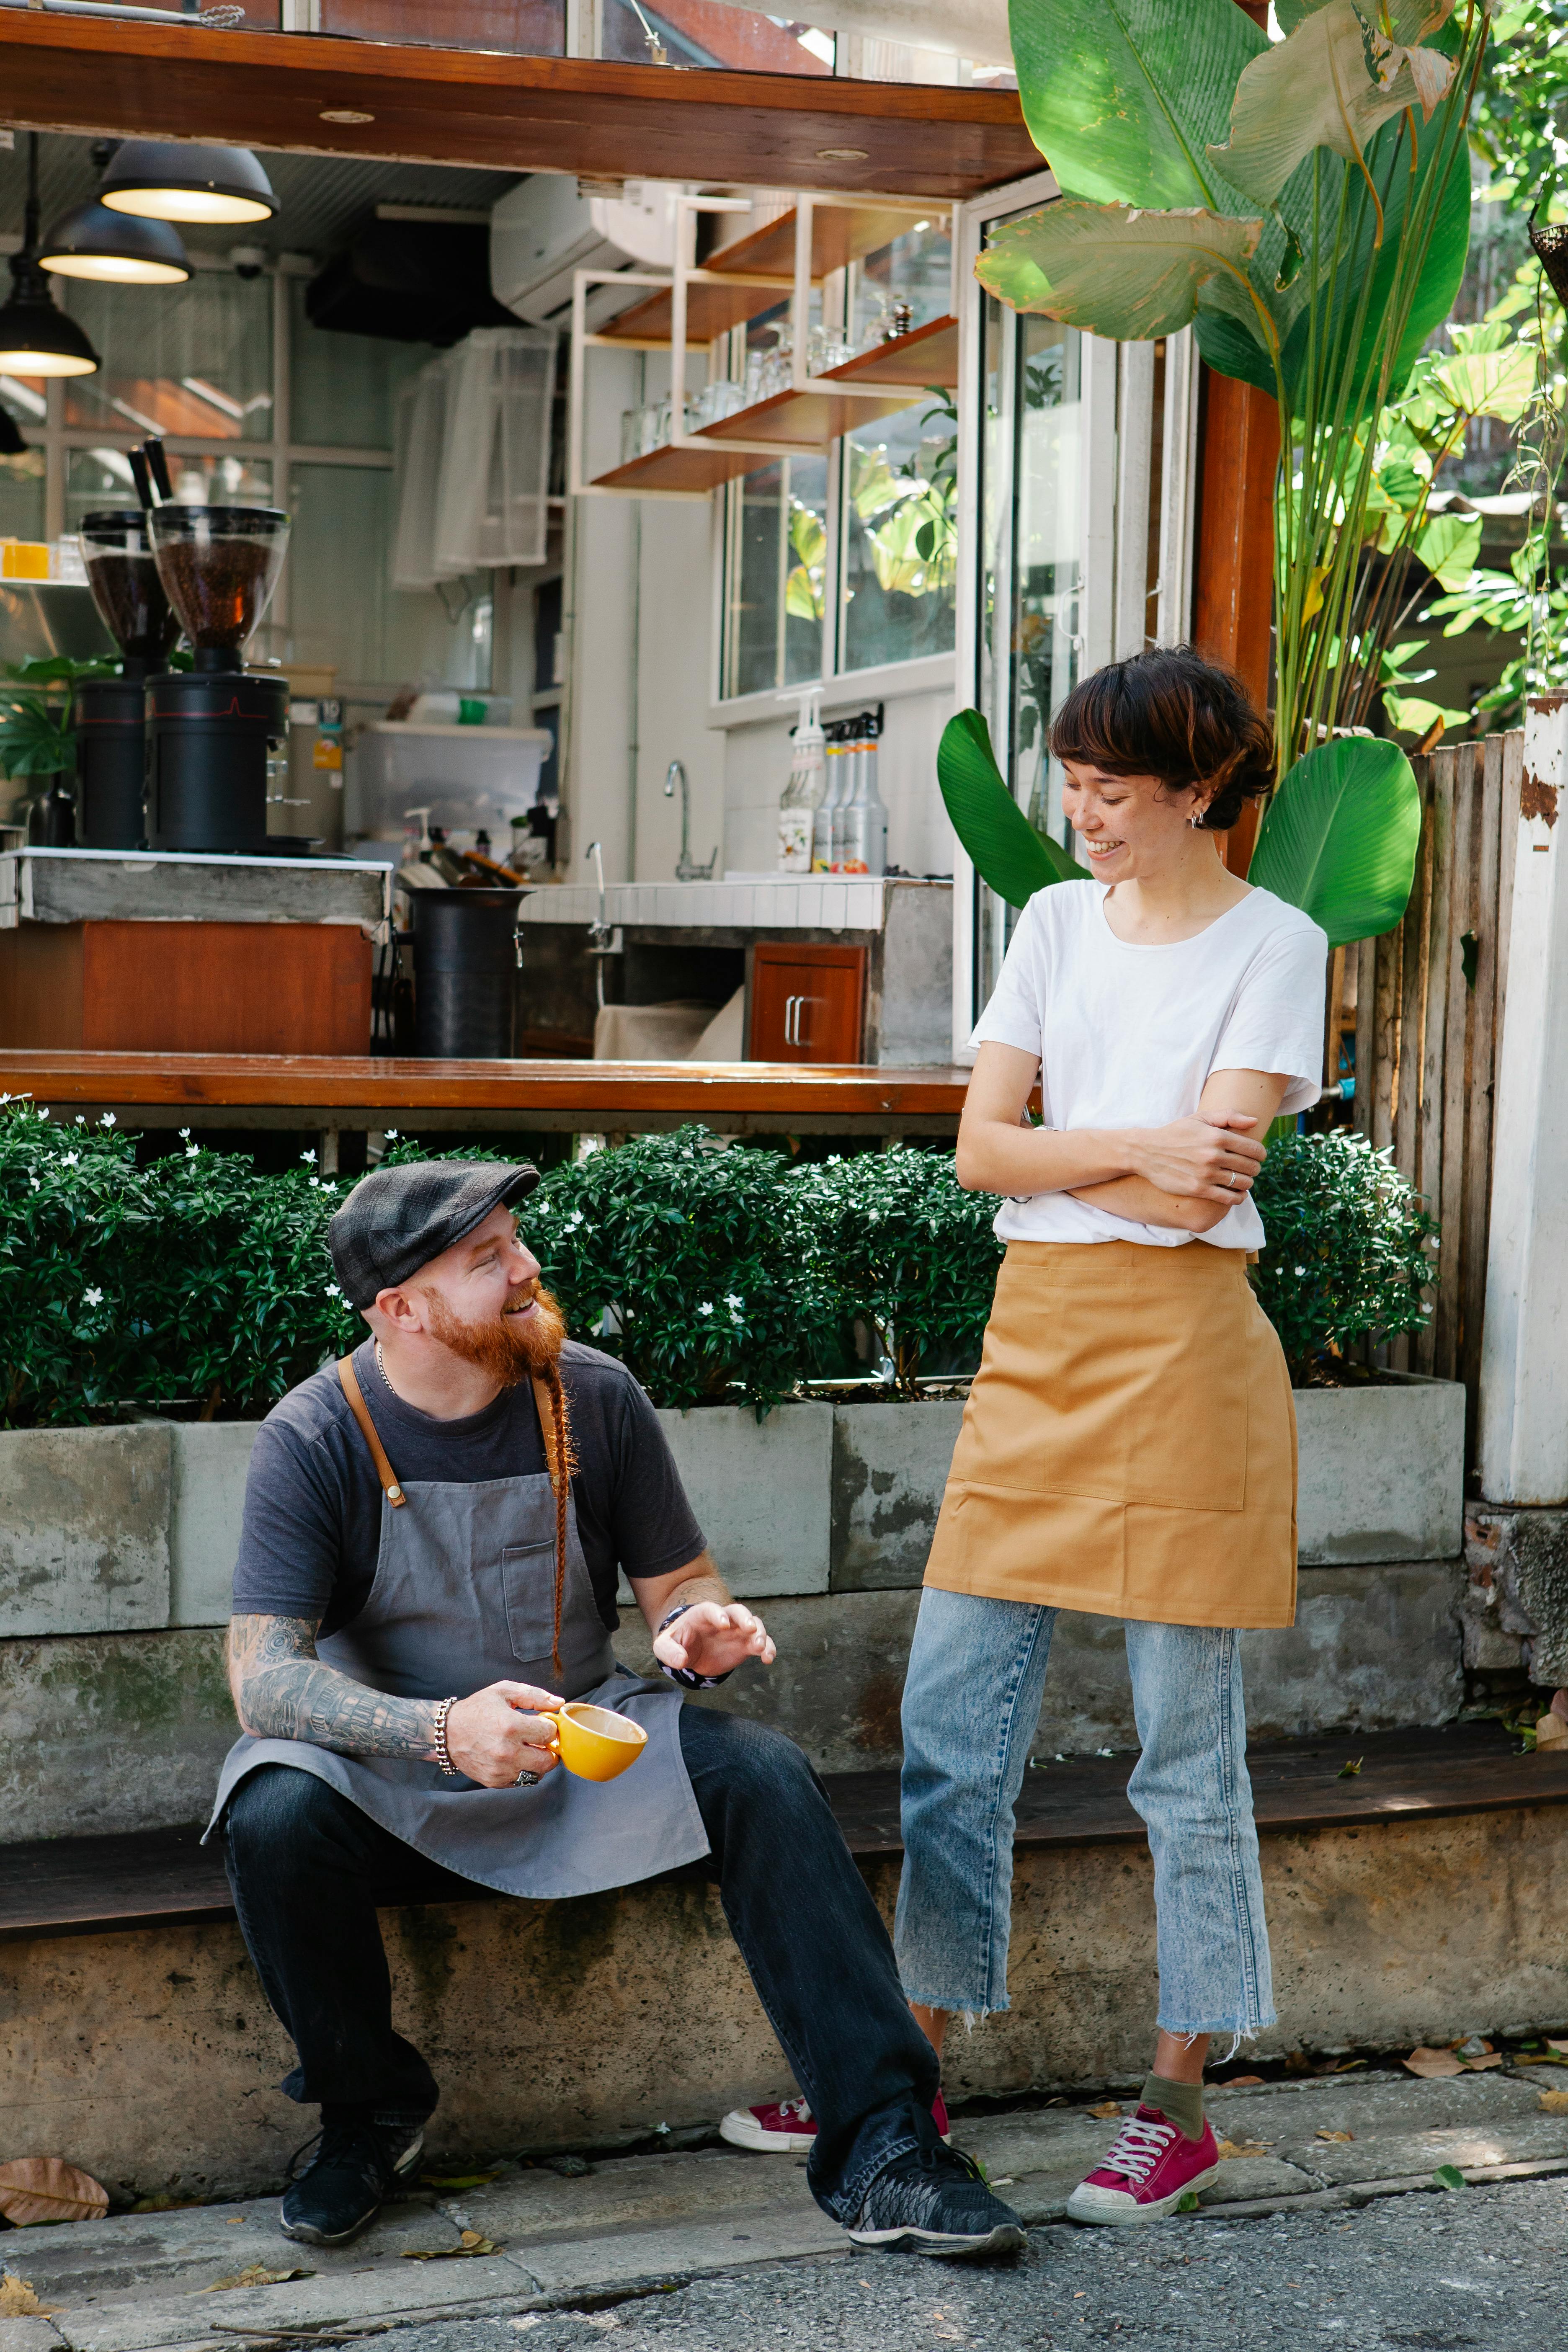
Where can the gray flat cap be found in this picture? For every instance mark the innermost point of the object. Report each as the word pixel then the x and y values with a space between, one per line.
pixel 397 1219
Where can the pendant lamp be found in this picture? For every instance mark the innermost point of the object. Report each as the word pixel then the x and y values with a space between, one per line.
pixel 92 242
pixel 37 339
pixel 164 179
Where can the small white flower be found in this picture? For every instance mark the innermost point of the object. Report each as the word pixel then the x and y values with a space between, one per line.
pixel 193 1151
pixel 390 1133
pixel 34 1183
pixel 316 1182
pixel 72 1159
pixel 706 1308
pixel 574 1221
pixel 93 1297
pixel 1301 1269
pixel 332 1291
pixel 310 1157
pixel 107 1119
pixel 184 1135
pixel 732 1303
pixel 82 1118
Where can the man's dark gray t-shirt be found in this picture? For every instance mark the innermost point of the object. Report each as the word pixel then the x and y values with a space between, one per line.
pixel 313 1502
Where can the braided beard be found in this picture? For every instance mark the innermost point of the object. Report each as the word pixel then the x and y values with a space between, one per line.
pixel 513 1347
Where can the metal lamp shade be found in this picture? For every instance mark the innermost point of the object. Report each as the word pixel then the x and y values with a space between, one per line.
pixel 160 180
pixel 37 338
pixel 90 241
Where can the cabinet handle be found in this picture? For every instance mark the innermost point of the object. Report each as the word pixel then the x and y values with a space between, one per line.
pixel 792 1014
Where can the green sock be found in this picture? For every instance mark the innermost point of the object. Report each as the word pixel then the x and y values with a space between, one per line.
pixel 1181 2103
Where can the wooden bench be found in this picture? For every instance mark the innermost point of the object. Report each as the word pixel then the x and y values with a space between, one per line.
pixel 149 1878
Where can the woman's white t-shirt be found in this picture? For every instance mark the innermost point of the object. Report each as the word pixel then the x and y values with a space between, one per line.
pixel 1127 1035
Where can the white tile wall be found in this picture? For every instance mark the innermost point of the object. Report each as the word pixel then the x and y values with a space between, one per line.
pixel 783 906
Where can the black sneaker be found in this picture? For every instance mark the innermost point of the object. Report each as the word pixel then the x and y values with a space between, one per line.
pixel 343 2188
pixel 936 2201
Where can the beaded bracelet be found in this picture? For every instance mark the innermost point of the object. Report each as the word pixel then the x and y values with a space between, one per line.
pixel 688 1676
pixel 443 1757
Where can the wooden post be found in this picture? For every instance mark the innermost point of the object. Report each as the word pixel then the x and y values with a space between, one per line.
pixel 1524 1343
pixel 1234 589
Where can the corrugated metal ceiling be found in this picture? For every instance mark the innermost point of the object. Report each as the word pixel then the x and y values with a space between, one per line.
pixel 324 199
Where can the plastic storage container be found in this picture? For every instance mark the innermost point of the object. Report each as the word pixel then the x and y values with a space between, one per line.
pixel 470 778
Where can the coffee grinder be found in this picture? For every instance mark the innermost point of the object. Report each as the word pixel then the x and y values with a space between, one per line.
pixel 212 730
pixel 109 713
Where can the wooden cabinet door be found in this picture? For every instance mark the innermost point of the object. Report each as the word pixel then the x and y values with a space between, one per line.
pixel 807 1003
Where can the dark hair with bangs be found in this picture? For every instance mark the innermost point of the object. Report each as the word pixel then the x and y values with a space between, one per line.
pixel 1170 714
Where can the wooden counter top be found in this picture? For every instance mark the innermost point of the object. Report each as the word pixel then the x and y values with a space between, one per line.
pixel 331 1091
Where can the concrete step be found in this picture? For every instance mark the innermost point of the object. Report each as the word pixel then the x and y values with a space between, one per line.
pixel 138 2283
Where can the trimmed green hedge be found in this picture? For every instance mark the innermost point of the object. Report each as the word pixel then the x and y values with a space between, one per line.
pixel 716 1271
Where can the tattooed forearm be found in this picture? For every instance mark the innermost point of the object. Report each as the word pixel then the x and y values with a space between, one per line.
pixel 283 1691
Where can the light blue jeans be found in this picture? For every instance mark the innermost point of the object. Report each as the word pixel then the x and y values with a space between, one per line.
pixel 972 1699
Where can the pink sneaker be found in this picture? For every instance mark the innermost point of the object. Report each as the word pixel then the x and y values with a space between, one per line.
pixel 1149 2170
pixel 789 2127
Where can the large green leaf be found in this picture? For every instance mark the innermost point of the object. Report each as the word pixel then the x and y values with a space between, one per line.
pixel 1116 271
pixel 1325 85
pixel 1489 373
pixel 998 837
pixel 1388 160
pixel 1122 96
pixel 1341 836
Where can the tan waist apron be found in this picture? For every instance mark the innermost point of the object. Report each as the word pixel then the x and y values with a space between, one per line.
pixel 1129 1446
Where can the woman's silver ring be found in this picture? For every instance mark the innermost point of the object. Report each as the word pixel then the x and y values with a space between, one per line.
pixel 526 1780
pixel 1230 1178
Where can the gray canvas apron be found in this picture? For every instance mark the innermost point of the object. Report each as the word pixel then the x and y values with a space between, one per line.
pixel 464 1596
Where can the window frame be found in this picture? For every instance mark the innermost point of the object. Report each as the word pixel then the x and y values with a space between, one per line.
pixel 1117 398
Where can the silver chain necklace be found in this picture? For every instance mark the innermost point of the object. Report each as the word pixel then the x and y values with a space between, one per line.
pixel 381 1366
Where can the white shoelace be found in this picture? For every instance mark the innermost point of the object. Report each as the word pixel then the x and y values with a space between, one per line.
pixel 1136 2149
pixel 800 2107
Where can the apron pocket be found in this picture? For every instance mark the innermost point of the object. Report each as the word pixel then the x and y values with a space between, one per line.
pixel 528 1588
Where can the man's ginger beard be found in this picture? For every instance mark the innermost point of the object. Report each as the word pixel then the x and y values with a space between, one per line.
pixel 509 1347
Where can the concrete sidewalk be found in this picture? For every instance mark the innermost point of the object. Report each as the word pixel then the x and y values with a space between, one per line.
pixel 541 2240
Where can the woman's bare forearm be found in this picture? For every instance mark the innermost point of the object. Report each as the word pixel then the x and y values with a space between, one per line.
pixel 995 1157
pixel 283 1691
pixel 1143 1203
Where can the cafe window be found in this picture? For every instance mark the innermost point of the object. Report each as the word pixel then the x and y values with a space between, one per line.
pixel 255 407
pixel 847 562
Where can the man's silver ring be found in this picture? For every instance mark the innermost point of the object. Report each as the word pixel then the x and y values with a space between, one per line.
pixel 1230 1178
pixel 526 1780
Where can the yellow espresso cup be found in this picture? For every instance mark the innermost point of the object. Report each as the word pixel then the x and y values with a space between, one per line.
pixel 593 1742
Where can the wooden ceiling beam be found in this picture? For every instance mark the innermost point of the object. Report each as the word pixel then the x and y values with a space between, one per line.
pixel 508 113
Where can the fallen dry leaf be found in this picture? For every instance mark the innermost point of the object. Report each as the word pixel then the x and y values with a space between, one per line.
pixel 1339 2138
pixel 1432 2065
pixel 17 2299
pixel 1242 2083
pixel 1479 2065
pixel 1229 2148
pixel 1552 1731
pixel 45 2189
pixel 1554 2102
pixel 1106 2109
pixel 471 2243
pixel 1556 2045
pixel 255 2274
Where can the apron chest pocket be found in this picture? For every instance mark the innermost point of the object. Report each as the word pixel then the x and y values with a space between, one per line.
pixel 528 1588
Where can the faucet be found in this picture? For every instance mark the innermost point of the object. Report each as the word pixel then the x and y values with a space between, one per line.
pixel 603 938
pixel 686 870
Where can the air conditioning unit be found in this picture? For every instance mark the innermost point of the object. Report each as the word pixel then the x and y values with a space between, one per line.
pixel 543 230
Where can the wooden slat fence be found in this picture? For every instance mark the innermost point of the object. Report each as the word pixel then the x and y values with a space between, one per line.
pixel 1425 1004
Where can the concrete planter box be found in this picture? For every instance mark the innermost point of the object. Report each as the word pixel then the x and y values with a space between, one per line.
pixel 131 1529
pixel 117 1547
pixel 1381 1472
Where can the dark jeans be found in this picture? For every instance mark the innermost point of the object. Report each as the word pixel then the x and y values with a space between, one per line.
pixel 307 1868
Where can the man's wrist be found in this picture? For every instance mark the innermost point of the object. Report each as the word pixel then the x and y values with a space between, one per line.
pixel 689 1677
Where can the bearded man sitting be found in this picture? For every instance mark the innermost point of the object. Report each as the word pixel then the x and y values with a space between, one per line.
pixel 433 1530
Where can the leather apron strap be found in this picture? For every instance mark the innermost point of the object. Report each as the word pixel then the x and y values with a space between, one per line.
pixel 348 1380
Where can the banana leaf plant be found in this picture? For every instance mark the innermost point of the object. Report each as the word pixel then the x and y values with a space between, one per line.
pixel 37 738
pixel 1339 839
pixel 1304 205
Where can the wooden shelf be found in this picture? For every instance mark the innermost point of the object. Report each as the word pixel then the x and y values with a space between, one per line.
pixel 508 113
pixel 839 233
pixel 913 363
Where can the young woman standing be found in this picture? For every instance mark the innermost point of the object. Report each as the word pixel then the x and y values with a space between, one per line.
pixel 1129 1447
